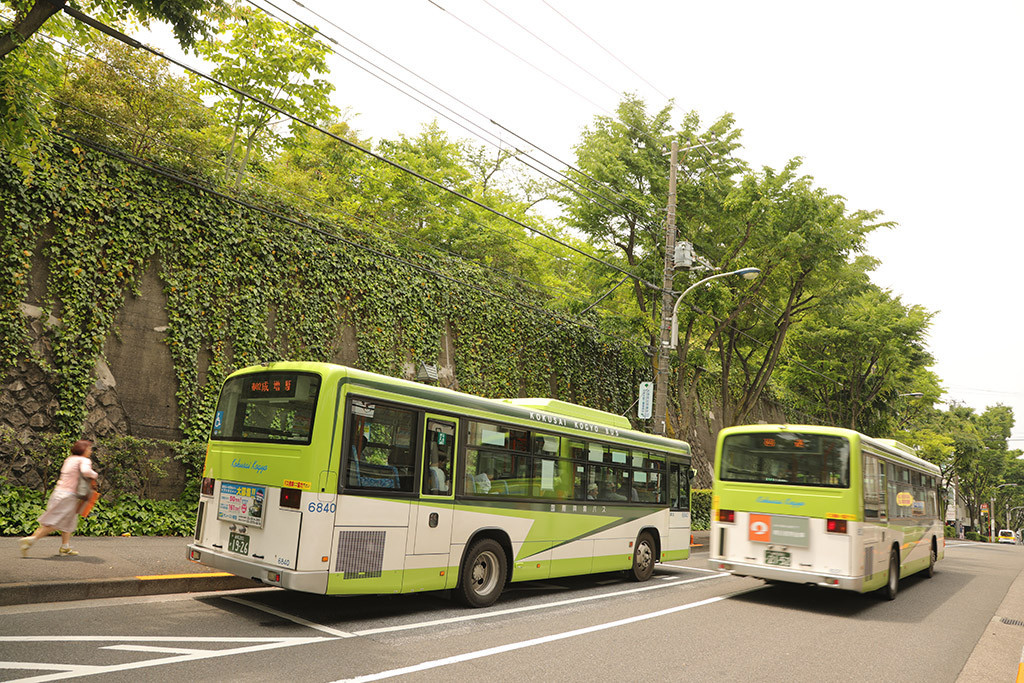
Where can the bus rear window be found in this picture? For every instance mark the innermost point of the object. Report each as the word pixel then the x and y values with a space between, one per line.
pixel 786 458
pixel 267 406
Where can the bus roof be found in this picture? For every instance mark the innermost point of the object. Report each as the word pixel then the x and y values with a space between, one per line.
pixel 890 447
pixel 539 412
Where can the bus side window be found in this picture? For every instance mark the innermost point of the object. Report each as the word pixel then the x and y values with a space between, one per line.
pixel 871 492
pixel 379 449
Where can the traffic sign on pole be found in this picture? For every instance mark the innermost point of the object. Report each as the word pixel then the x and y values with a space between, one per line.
pixel 646 403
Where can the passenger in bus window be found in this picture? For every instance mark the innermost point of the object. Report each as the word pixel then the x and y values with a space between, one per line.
pixel 482 483
pixel 592 492
pixel 439 475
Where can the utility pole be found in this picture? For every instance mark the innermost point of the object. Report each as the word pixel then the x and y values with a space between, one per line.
pixel 662 371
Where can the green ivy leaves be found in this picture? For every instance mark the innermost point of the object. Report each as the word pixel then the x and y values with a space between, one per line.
pixel 244 286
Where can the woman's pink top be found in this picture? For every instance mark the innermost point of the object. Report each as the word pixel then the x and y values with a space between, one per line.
pixel 74 464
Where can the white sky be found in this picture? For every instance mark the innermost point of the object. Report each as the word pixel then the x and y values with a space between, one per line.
pixel 911 107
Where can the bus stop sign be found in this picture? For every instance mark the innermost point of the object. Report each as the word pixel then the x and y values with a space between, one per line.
pixel 646 402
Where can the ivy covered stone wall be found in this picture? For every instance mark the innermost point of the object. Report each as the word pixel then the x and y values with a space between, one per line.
pixel 126 297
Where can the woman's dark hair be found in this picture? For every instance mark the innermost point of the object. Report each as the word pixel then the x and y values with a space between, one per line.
pixel 81 446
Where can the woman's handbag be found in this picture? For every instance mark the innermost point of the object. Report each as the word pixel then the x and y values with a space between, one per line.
pixel 84 487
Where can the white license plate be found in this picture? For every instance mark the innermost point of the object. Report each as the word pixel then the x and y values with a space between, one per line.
pixel 776 558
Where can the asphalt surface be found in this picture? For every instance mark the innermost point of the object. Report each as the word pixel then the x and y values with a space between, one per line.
pixel 111 567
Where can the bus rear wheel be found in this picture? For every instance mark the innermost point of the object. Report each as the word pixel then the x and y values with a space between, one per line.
pixel 892 586
pixel 483 573
pixel 644 556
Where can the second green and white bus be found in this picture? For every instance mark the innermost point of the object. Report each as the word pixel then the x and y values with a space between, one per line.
pixel 326 479
pixel 823 506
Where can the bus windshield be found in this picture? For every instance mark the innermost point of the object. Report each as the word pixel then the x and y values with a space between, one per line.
pixel 268 407
pixel 786 458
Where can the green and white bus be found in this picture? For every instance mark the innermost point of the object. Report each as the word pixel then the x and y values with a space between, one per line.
pixel 326 479
pixel 823 506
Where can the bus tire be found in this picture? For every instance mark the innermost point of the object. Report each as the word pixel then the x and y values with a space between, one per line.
pixel 932 559
pixel 644 556
pixel 892 584
pixel 483 573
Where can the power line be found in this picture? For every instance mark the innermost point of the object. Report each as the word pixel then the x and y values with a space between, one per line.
pixel 483 133
pixel 553 48
pixel 358 219
pixel 561 292
pixel 114 33
pixel 606 50
pixel 205 187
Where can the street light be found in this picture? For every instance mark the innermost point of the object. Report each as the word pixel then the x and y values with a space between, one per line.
pixel 747 273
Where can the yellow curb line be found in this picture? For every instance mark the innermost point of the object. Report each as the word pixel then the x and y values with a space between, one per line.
pixel 182 576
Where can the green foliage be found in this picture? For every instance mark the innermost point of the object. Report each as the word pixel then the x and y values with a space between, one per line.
pixel 854 356
pixel 21 507
pixel 700 509
pixel 274 62
pixel 950 532
pixel 127 465
pixel 29 70
pixel 130 101
pixel 975 536
pixel 228 269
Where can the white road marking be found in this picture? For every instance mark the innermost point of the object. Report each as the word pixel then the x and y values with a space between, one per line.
pixel 154 648
pixel 298 620
pixel 468 656
pixel 257 644
pixel 694 569
pixel 516 610
pixel 70 671
pixel 46 666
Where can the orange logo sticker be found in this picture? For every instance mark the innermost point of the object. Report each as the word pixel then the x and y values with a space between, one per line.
pixel 760 528
pixel 904 499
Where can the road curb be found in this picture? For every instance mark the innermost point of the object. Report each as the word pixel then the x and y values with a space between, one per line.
pixel 88 589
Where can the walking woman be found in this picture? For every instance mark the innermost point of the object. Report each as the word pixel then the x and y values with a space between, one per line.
pixel 62 508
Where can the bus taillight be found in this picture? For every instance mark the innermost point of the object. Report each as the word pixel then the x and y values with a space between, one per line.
pixel 835 526
pixel 207 487
pixel 291 498
pixel 727 516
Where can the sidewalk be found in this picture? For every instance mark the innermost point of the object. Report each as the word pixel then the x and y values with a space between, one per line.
pixel 106 567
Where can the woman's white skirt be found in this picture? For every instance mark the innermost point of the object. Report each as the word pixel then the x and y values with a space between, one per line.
pixel 62 510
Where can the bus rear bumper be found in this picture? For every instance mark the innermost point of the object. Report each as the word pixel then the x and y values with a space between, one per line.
pixel 760 571
pixel 309 582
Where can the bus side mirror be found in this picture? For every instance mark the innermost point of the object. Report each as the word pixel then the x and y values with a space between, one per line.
pixel 690 473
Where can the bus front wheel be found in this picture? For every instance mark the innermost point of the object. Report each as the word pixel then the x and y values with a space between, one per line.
pixel 892 586
pixel 644 555
pixel 483 573
pixel 932 558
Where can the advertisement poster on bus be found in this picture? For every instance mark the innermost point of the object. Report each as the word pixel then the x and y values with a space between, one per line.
pixel 241 503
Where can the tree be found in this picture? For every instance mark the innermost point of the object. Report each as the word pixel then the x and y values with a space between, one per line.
pixel 275 62
pixel 30 67
pixel 855 354
pixel 802 238
pixel 980 452
pixel 184 16
pixel 130 101
pixel 622 178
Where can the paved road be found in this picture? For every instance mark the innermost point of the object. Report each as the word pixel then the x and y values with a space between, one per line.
pixel 688 622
